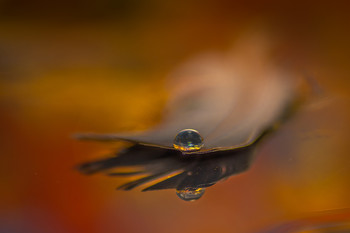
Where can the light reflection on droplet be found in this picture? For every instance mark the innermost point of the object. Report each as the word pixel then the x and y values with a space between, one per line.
pixel 190 194
pixel 188 140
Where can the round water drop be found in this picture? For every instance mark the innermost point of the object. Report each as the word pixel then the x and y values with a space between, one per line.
pixel 190 194
pixel 188 140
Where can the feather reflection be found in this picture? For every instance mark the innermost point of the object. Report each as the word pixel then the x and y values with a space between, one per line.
pixel 194 173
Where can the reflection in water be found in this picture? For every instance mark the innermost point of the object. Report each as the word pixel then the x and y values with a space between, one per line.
pixel 192 173
pixel 190 194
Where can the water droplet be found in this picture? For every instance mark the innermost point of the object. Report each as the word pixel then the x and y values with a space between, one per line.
pixel 190 194
pixel 188 140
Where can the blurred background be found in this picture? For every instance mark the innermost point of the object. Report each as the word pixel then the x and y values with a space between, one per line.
pixel 100 66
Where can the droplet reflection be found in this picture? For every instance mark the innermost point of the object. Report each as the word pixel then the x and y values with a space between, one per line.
pixel 190 194
pixel 188 140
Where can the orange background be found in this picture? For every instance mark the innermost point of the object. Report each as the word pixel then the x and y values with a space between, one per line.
pixel 85 66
